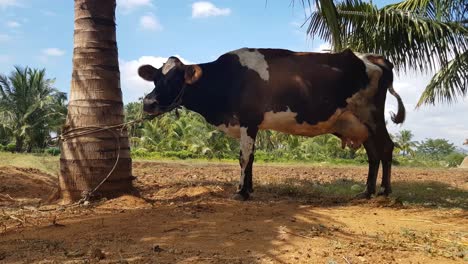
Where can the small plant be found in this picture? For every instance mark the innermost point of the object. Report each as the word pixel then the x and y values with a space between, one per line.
pixel 10 147
pixel 54 151
pixel 454 159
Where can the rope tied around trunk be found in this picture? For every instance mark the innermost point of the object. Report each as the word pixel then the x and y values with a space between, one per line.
pixel 115 131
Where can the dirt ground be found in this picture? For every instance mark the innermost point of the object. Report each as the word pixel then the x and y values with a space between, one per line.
pixel 298 214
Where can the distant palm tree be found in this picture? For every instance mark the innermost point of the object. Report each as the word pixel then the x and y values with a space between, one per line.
pixel 423 35
pixel 30 107
pixel 404 142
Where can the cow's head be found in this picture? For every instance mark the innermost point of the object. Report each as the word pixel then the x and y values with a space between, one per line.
pixel 170 82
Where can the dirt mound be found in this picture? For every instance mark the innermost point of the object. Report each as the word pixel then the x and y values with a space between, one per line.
pixel 125 202
pixel 184 193
pixel 464 164
pixel 23 186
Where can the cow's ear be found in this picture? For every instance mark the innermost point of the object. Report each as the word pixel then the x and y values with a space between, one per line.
pixel 192 73
pixel 149 73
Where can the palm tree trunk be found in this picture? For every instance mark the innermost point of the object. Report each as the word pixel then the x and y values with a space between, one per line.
pixel 95 100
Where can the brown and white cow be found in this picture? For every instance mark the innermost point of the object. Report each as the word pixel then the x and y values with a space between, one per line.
pixel 301 93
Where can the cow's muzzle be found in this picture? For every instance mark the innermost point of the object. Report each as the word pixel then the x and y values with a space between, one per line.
pixel 151 106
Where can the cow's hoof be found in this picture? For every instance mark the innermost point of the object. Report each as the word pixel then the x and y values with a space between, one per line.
pixel 241 196
pixel 363 195
pixel 384 193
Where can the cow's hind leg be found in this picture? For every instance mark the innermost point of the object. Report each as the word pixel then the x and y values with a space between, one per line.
pixel 246 158
pixel 387 156
pixel 374 162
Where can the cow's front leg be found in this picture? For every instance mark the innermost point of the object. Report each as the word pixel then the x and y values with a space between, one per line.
pixel 246 158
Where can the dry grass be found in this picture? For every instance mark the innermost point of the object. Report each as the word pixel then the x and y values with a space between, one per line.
pixel 45 163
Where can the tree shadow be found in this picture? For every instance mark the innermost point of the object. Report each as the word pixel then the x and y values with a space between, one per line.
pixel 190 232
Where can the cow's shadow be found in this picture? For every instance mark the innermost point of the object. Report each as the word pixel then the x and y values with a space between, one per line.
pixel 339 192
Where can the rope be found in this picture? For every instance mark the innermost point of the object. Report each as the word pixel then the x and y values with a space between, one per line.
pixel 86 195
pixel 87 130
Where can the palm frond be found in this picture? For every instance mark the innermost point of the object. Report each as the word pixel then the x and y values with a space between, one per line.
pixel 414 34
pixel 448 83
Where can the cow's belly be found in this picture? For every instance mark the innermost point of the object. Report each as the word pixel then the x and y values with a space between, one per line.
pixel 342 122
pixel 286 122
pixel 351 130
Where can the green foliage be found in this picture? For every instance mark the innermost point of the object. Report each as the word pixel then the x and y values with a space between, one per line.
pixel 188 136
pixel 404 142
pixel 436 148
pixel 30 109
pixel 10 147
pixel 54 151
pixel 454 159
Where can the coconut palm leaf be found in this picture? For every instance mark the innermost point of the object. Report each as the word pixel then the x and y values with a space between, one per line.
pixel 422 35
pixel 448 83
pixel 30 106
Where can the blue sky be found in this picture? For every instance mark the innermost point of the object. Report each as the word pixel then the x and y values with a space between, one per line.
pixel 39 33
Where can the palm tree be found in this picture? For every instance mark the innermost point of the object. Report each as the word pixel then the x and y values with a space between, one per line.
pixel 30 107
pixel 423 35
pixel 95 101
pixel 404 142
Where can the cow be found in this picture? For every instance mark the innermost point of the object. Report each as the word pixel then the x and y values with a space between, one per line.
pixel 300 93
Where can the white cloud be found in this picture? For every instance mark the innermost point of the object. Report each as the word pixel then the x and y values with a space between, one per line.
pixel 207 9
pixel 4 58
pixel 324 47
pixel 133 87
pixel 53 52
pixel 128 5
pixel 9 3
pixel 13 24
pixel 4 38
pixel 150 22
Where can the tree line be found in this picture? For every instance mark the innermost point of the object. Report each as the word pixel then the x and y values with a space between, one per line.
pixel 186 135
pixel 32 111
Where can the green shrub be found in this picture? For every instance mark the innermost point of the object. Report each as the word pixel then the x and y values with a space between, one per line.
pixel 181 154
pixel 141 153
pixel 54 151
pixel 454 159
pixel 10 147
pixel 2 147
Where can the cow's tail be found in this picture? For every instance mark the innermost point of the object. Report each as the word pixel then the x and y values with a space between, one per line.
pixel 399 117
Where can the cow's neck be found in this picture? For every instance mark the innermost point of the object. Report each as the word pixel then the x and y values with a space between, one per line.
pixel 207 96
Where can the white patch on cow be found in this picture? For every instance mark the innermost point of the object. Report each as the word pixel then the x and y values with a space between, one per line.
pixel 171 63
pixel 253 60
pixel 230 130
pixel 343 122
pixel 247 147
pixel 285 121
pixel 360 103
pixel 373 71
